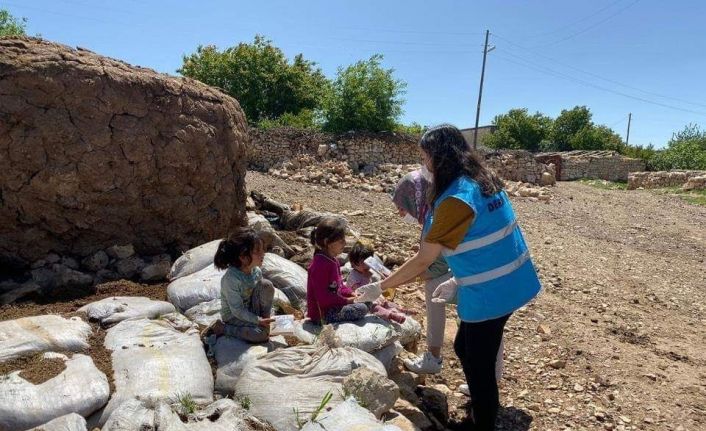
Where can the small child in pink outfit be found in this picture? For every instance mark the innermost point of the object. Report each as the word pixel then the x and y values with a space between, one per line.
pixel 361 275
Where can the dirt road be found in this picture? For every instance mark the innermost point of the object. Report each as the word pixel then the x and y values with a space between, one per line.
pixel 617 339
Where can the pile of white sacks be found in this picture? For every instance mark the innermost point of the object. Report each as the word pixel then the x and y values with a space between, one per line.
pixel 163 379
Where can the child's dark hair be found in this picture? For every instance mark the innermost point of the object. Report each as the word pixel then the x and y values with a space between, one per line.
pixel 241 243
pixel 360 252
pixel 329 229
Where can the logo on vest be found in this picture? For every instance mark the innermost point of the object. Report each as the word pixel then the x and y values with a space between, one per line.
pixel 497 203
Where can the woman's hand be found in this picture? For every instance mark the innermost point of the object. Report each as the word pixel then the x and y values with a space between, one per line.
pixel 369 292
pixel 445 292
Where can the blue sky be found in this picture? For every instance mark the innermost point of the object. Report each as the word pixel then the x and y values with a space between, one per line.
pixel 647 57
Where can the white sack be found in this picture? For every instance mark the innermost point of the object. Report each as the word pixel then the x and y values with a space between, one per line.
pixel 299 377
pixel 194 260
pixel 348 416
pixel 285 275
pixel 233 354
pixel 152 361
pixel 37 334
pixel 70 422
pixel 387 354
pixel 205 313
pixel 118 308
pixel 202 286
pixel 81 388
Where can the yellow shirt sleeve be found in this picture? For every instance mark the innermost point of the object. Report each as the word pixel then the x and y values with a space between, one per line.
pixel 452 219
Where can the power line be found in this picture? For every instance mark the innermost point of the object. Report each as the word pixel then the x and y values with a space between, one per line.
pixel 578 21
pixel 594 25
pixel 612 81
pixel 546 70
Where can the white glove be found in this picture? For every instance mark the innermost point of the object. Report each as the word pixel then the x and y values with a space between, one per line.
pixel 445 292
pixel 368 293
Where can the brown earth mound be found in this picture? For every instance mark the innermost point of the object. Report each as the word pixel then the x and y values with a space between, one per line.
pixel 96 152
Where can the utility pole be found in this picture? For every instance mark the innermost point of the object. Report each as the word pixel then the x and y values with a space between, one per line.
pixel 480 91
pixel 627 138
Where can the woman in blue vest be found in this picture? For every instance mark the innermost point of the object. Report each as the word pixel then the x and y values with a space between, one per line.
pixel 474 226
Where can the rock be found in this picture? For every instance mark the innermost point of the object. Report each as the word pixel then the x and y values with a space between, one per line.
pixel 434 402
pixel 44 277
pixel 407 383
pixel 69 262
pixel 377 393
pixel 400 421
pixel 20 291
pixel 121 251
pixel 52 258
pixel 127 268
pixel 96 262
pixel 547 179
pixel 578 388
pixel 103 275
pixel 413 414
pixel 322 150
pixel 67 277
pixel 557 364
pixel 544 329
pixel 97 152
pixel 156 271
pixel 38 264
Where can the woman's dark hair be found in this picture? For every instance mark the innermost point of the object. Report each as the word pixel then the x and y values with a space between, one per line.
pixel 329 229
pixel 451 158
pixel 241 243
pixel 360 252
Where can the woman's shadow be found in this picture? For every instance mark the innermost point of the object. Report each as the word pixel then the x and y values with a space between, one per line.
pixel 513 419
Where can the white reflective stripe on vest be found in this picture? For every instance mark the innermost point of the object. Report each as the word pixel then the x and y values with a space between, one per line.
pixel 482 241
pixel 495 273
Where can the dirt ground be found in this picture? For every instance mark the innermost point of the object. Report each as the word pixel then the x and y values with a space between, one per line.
pixel 617 338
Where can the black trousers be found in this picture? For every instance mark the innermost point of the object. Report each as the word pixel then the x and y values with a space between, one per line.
pixel 477 345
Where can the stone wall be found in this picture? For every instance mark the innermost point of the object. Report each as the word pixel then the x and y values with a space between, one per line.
pixel 604 165
pixel 270 148
pixel 688 180
pixel 365 151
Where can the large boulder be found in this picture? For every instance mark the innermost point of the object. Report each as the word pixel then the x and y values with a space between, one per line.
pixel 97 152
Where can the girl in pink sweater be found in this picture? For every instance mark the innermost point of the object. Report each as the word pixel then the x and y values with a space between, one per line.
pixel 324 303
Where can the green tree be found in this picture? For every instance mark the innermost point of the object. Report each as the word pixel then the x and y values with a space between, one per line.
pixel 518 130
pixel 594 137
pixel 568 124
pixel 11 26
pixel 364 96
pixel 686 150
pixel 260 77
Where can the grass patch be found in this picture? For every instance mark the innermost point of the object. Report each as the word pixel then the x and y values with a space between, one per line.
pixel 696 197
pixel 605 185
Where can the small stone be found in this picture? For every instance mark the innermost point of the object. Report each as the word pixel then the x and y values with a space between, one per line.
pixel 38 264
pixel 121 251
pixel 376 392
pixel 96 262
pixel 156 271
pixel 44 277
pixel 578 388
pixel 416 416
pixel 648 420
pixel 558 364
pixel 129 267
pixel 69 262
pixel 67 277
pixel 52 258
pixel 544 329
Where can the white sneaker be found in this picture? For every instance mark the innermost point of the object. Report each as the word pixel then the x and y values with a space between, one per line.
pixel 464 390
pixel 426 364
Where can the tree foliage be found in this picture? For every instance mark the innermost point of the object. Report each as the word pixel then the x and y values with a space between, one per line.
pixel 364 96
pixel 260 77
pixel 686 150
pixel 519 131
pixel 11 26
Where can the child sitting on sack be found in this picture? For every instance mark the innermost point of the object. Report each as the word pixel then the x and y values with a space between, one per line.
pixel 246 298
pixel 361 275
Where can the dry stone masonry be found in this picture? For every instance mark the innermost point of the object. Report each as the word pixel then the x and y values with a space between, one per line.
pixel 687 180
pixel 604 165
pixel 95 152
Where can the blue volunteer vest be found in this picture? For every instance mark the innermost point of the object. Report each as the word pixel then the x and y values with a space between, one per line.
pixel 492 265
